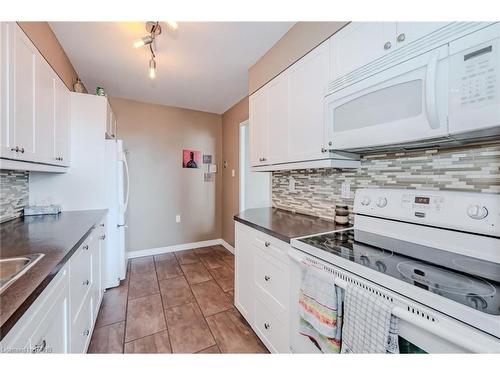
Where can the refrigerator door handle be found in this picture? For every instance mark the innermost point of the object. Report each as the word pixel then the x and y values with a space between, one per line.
pixel 125 204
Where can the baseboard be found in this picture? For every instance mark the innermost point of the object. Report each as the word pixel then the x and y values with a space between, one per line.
pixel 169 249
pixel 227 245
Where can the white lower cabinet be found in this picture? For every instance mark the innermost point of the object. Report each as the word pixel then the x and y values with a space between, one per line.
pixel 261 286
pixel 62 318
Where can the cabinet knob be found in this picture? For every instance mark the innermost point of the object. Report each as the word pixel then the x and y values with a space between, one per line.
pixel 267 244
pixel 21 150
pixel 102 237
pixel 86 282
pixel 323 150
pixel 86 247
pixel 387 45
pixel 39 348
pixel 267 325
pixel 267 278
pixel 86 332
pixel 330 143
pixel 16 149
pixel 401 37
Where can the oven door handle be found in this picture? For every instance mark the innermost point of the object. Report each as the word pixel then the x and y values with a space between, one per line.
pixel 431 107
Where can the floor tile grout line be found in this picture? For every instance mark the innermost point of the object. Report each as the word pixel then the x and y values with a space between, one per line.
pixel 163 306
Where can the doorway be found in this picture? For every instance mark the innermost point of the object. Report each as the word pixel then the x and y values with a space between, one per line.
pixel 255 187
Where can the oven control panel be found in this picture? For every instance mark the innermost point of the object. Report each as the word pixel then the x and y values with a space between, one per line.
pixel 471 212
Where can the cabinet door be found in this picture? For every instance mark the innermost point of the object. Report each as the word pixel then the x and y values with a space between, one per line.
pixel 52 332
pixel 62 130
pixel 358 44
pixel 408 32
pixel 22 94
pixel 258 126
pixel 308 79
pixel 44 111
pixel 244 295
pixel 278 119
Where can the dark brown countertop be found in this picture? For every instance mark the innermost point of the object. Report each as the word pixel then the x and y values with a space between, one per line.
pixel 285 225
pixel 56 236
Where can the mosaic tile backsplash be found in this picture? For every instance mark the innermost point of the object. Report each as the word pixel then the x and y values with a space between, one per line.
pixel 317 191
pixel 14 193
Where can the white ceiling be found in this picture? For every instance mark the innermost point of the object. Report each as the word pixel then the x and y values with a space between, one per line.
pixel 202 65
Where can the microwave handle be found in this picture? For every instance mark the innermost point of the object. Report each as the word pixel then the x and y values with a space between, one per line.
pixel 430 91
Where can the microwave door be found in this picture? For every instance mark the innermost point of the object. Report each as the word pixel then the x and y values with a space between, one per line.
pixel 405 103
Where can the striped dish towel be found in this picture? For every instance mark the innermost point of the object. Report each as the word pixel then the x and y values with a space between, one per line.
pixel 320 306
pixel 369 326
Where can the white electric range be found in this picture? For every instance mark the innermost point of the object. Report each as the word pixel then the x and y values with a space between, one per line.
pixel 434 254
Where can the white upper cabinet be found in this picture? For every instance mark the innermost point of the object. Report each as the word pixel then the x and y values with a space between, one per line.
pixel 44 112
pixel 408 32
pixel 35 107
pixel 259 123
pixel 62 128
pixel 307 80
pixel 278 108
pixel 359 43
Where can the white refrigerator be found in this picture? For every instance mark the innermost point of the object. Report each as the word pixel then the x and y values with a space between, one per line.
pixel 96 179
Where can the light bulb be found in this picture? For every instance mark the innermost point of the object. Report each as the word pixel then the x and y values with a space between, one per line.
pixel 139 43
pixel 173 24
pixel 152 68
pixel 143 41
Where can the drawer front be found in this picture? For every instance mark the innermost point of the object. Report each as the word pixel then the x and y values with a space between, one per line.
pixel 272 332
pixel 272 246
pixel 82 328
pixel 81 275
pixel 271 280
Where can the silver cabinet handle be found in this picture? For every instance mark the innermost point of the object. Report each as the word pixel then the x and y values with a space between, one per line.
pixel 21 150
pixel 86 247
pixel 401 37
pixel 267 244
pixel 39 348
pixel 101 225
pixel 330 143
pixel 267 278
pixel 387 45
pixel 323 150
pixel 267 325
pixel 86 332
pixel 86 282
pixel 102 237
pixel 16 149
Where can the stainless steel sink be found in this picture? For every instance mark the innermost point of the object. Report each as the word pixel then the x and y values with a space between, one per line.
pixel 13 268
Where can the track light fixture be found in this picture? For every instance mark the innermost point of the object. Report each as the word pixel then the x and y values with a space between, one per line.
pixel 154 29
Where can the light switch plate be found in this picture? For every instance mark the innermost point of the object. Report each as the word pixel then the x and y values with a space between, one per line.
pixel 233 173
pixel 177 218
pixel 345 190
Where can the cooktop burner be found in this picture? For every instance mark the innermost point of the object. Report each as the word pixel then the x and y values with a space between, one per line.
pixel 466 280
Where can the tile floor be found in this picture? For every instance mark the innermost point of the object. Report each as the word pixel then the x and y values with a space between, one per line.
pixel 179 302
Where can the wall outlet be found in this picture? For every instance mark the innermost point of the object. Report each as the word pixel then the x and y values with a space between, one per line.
pixel 345 190
pixel 177 218
pixel 291 185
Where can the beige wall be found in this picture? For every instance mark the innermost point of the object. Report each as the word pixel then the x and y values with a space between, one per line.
pixel 231 120
pixel 154 136
pixel 44 39
pixel 298 41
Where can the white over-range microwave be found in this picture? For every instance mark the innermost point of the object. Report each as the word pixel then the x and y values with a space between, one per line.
pixel 449 94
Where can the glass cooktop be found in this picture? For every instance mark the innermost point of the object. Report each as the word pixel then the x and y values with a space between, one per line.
pixel 466 280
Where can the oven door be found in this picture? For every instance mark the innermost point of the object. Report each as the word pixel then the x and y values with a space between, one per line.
pixel 403 104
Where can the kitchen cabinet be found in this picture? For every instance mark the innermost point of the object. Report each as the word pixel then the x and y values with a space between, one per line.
pixel 308 79
pixel 359 43
pixel 35 120
pixel 261 285
pixel 278 109
pixel 259 124
pixel 62 317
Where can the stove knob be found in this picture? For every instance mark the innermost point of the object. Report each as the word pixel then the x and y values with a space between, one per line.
pixel 477 212
pixel 382 202
pixel 366 201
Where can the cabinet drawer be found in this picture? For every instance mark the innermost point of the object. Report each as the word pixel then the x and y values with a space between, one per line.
pixel 81 275
pixel 271 281
pixel 81 329
pixel 272 332
pixel 271 245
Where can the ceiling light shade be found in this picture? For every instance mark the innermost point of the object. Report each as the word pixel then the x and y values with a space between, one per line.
pixel 173 25
pixel 143 41
pixel 152 68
